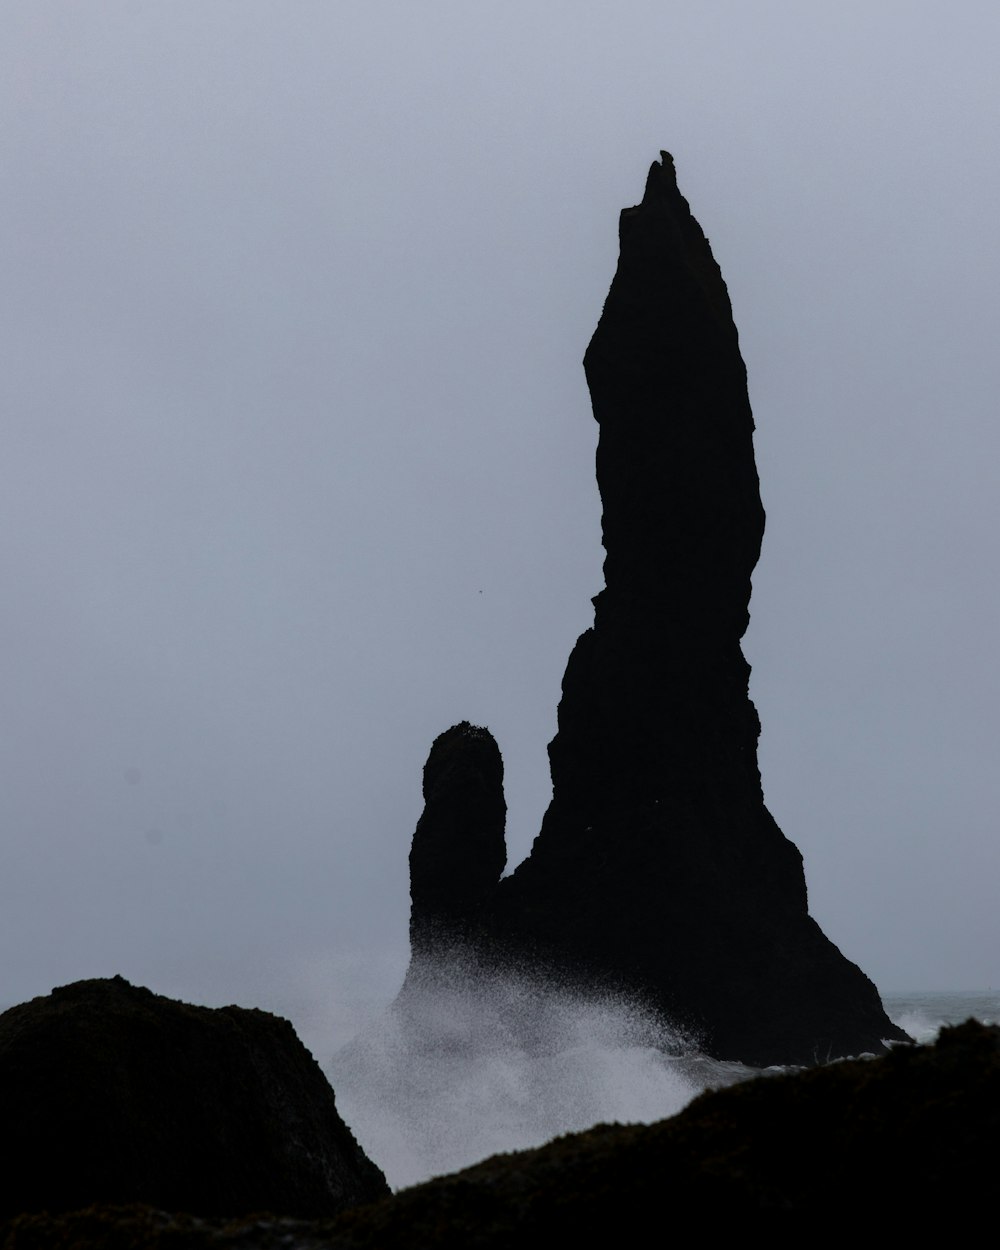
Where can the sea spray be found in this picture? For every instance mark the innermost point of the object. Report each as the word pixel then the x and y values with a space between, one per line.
pixel 466 1064
pixel 923 1014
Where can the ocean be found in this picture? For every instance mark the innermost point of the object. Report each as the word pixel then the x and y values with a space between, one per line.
pixel 923 1014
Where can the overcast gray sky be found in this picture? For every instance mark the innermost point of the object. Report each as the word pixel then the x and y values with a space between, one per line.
pixel 298 453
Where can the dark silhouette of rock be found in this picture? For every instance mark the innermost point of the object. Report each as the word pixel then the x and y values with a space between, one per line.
pixel 112 1094
pixel 458 850
pixel 910 1137
pixel 658 867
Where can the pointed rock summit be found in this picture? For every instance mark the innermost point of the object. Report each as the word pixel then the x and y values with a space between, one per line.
pixel 658 868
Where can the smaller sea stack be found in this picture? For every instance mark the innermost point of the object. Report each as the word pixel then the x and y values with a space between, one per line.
pixel 458 850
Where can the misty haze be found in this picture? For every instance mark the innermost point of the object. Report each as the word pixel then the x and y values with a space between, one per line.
pixel 299 471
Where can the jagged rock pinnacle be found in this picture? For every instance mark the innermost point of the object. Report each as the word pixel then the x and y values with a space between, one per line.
pixel 658 867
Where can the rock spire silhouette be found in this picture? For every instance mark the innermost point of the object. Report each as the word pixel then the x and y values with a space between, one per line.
pixel 658 868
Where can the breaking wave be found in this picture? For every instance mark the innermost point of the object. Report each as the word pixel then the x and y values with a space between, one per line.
pixel 466 1064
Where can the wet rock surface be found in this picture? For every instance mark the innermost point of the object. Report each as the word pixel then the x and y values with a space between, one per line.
pixel 112 1094
pixel 658 867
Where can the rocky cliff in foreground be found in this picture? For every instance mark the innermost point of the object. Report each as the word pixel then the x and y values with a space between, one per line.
pixel 658 868
pixel 901 1141
pixel 112 1094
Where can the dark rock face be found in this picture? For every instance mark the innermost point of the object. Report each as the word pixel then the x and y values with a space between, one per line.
pixel 658 866
pixel 112 1094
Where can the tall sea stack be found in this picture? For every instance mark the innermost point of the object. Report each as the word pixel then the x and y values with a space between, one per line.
pixel 658 867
